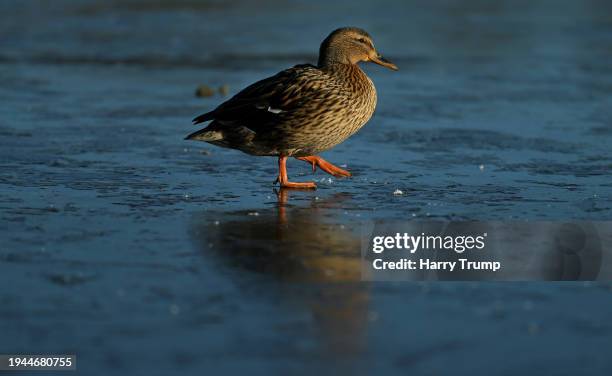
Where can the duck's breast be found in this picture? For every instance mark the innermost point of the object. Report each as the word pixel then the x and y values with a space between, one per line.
pixel 362 102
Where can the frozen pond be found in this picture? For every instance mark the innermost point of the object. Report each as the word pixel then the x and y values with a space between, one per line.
pixel 139 251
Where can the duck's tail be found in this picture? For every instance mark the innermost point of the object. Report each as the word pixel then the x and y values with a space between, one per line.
pixel 205 135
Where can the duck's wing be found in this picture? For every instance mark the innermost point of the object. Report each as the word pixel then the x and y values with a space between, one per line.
pixel 269 97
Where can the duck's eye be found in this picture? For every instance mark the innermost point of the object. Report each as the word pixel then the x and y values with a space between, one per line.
pixel 362 40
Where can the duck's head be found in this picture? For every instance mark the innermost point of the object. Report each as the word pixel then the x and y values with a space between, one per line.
pixel 350 45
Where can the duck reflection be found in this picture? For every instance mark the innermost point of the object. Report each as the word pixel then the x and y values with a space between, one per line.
pixel 305 246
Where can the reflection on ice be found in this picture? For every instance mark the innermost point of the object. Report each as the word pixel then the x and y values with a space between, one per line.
pixel 295 245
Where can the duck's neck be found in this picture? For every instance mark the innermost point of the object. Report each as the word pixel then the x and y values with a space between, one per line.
pixel 350 76
pixel 329 55
pixel 341 69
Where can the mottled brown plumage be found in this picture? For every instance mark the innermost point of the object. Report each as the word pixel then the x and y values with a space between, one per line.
pixel 303 110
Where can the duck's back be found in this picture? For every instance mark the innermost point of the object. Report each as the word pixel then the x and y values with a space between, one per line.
pixel 300 111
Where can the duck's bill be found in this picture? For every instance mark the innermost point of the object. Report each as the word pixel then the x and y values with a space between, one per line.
pixel 384 62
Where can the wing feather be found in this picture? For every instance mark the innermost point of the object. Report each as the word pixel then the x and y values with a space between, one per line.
pixel 272 96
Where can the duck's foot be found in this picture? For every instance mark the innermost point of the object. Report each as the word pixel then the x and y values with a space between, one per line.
pixel 293 185
pixel 324 165
pixel 283 179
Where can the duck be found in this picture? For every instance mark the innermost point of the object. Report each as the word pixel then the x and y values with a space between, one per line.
pixel 301 111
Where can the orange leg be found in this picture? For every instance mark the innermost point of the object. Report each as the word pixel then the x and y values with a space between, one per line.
pixel 284 180
pixel 325 166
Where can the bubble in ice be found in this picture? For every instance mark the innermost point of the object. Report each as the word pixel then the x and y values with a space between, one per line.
pixel 373 316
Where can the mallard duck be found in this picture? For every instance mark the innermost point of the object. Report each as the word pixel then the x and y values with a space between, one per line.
pixel 301 111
